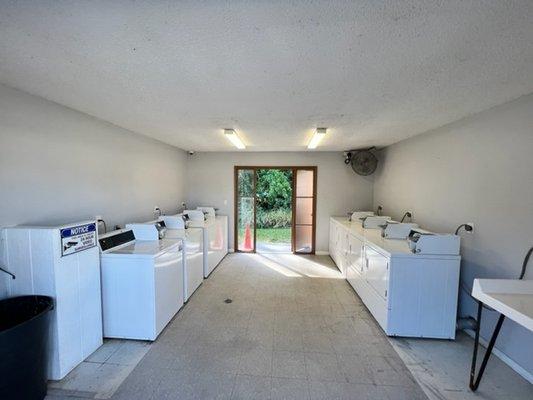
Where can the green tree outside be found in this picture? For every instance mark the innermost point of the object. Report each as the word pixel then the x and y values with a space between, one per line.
pixel 274 205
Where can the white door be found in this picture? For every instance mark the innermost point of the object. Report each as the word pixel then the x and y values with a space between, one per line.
pixel 355 258
pixel 377 271
pixel 344 251
pixel 332 240
pixel 194 262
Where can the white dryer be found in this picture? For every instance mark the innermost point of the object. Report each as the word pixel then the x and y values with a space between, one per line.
pixel 142 284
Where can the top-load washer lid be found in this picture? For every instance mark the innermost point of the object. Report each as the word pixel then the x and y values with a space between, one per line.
pixel 173 221
pixel 175 234
pixel 356 216
pixel 374 221
pixel 192 238
pixel 154 230
pixel 145 248
pixel 194 215
pixel 209 211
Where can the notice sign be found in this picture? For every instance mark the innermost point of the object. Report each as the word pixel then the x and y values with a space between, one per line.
pixel 77 238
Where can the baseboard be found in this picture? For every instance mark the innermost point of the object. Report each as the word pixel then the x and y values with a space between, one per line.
pixel 502 356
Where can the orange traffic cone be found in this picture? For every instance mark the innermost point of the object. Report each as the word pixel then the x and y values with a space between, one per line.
pixel 248 239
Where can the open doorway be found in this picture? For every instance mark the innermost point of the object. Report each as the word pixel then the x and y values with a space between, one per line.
pixel 275 209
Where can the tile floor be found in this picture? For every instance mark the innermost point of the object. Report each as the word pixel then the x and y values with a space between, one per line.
pixel 441 367
pixel 294 330
pixel 99 376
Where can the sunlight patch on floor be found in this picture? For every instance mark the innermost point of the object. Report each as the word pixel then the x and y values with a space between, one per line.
pixel 274 266
pixel 296 265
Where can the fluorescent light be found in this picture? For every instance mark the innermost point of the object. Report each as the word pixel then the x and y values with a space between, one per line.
pixel 232 136
pixel 317 137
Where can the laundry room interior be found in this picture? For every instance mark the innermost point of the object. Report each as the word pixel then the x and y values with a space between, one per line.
pixel 266 200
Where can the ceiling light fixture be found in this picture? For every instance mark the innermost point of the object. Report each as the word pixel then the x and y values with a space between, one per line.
pixel 233 138
pixel 317 137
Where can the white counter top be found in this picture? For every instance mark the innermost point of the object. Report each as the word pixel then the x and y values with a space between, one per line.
pixel 510 297
pixel 355 228
pixel 389 247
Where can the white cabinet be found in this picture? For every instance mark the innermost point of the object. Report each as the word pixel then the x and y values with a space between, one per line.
pixel 333 242
pixel 408 294
pixel 354 269
pixel 335 249
pixel 343 251
pixel 339 247
pixel 216 242
pixel 356 253
pixel 377 271
pixel 36 255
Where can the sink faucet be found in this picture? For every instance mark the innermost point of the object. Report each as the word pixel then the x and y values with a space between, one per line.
pixel 7 272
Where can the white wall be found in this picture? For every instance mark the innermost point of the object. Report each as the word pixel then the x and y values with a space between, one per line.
pixel 480 170
pixel 339 189
pixel 57 164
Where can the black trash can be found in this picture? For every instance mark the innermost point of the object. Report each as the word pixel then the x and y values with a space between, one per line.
pixel 24 327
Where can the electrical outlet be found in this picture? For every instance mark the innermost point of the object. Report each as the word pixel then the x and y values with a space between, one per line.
pixel 472 225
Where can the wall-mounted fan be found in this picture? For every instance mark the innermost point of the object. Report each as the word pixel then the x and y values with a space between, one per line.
pixel 363 162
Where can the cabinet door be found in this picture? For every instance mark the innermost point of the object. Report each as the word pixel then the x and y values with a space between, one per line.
pixel 353 277
pixel 332 238
pixel 377 271
pixel 344 247
pixel 333 244
pixel 355 254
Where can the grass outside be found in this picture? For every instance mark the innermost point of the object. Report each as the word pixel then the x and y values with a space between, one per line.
pixel 274 235
pixel 271 235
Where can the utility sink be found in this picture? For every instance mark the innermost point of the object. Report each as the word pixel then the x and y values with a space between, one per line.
pixel 510 297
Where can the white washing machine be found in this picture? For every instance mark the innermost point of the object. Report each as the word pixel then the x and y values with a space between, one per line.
pixel 142 284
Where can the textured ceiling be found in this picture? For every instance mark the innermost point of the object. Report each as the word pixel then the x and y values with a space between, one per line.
pixel 373 72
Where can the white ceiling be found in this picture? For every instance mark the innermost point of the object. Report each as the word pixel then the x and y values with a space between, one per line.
pixel 373 72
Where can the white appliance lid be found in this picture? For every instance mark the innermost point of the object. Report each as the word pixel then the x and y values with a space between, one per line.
pixel 146 247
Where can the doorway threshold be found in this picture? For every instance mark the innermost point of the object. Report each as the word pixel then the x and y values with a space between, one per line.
pixel 273 248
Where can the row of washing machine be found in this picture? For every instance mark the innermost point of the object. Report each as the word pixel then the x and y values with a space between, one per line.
pixel 127 283
pixel 150 269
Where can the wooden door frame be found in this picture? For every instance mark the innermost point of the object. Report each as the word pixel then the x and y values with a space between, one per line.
pixel 313 230
pixel 293 168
